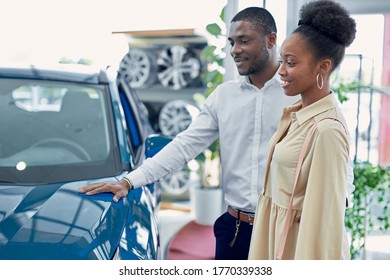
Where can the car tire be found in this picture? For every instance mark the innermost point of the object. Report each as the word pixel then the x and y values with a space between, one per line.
pixel 139 66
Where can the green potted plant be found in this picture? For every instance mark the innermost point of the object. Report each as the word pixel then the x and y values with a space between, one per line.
pixel 372 190
pixel 209 192
pixel 213 57
pixel 371 193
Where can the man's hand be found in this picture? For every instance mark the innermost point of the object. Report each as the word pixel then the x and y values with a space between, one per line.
pixel 119 189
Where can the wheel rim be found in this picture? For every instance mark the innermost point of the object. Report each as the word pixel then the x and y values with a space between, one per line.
pixel 178 67
pixel 139 66
pixel 176 116
pixel 180 181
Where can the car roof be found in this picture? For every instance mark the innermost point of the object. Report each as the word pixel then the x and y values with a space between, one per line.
pixel 57 72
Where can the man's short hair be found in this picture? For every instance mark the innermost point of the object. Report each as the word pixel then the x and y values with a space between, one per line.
pixel 260 18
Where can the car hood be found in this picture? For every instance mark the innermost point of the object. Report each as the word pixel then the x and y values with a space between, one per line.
pixel 57 222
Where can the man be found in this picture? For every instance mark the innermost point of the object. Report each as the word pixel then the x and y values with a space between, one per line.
pixel 244 114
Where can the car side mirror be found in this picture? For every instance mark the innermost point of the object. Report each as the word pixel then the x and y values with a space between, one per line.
pixel 154 143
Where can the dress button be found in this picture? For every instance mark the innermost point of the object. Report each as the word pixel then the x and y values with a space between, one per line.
pixel 294 116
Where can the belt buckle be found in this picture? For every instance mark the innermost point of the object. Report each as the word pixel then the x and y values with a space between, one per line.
pixel 251 216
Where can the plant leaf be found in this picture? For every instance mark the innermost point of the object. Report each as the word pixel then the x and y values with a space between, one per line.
pixel 214 29
pixel 222 14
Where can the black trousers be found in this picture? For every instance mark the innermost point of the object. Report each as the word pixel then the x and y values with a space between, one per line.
pixel 224 230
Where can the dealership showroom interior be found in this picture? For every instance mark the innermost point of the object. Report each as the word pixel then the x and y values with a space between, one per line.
pixel 89 90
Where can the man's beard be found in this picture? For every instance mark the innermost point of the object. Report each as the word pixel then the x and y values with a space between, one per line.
pixel 259 64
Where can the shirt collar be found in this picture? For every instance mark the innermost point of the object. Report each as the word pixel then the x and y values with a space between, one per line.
pixel 322 105
pixel 245 82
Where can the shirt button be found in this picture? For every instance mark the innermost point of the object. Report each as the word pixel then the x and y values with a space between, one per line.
pixel 294 116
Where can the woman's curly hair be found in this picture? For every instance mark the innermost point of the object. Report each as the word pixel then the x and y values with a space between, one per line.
pixel 328 29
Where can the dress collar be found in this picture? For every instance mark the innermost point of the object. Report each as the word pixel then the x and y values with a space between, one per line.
pixel 322 105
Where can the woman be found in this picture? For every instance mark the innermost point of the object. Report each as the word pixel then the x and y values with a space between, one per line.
pixel 300 214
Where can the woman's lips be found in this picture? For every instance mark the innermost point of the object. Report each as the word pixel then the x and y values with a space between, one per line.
pixel 285 84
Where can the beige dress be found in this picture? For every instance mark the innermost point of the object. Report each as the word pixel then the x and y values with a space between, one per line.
pixel 317 228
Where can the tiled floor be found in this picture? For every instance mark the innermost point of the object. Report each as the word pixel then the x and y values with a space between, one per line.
pixel 171 220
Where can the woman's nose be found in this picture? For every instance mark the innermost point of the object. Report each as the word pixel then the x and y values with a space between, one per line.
pixel 281 70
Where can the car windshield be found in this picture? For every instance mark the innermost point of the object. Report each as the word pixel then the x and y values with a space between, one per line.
pixel 52 131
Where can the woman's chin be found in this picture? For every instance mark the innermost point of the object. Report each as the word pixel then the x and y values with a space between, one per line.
pixel 290 93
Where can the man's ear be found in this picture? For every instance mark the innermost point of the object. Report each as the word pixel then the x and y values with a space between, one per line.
pixel 271 42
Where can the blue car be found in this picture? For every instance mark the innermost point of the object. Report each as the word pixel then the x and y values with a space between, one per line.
pixel 61 128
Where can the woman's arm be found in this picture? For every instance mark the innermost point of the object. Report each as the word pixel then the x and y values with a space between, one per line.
pixel 322 221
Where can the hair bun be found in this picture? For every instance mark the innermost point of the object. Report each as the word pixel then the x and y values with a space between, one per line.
pixel 329 18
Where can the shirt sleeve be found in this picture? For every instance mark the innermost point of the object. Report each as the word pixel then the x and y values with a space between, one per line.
pixel 321 228
pixel 188 144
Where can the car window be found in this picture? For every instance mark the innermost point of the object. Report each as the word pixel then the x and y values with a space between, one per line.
pixel 133 120
pixel 51 123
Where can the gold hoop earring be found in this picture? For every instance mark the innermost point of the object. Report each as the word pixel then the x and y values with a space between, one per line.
pixel 322 81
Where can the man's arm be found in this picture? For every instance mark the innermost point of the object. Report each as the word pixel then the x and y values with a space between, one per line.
pixel 186 146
